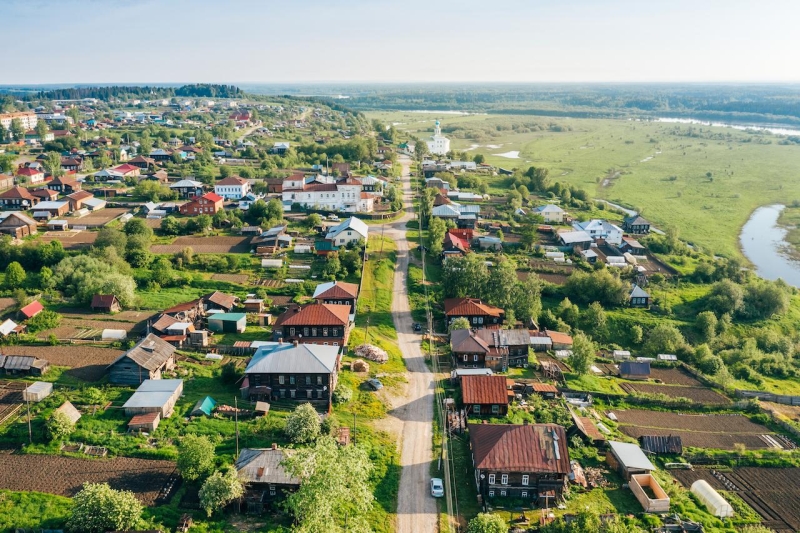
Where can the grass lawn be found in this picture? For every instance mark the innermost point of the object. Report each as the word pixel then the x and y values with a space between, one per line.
pixel 646 155
pixel 591 383
pixel 23 510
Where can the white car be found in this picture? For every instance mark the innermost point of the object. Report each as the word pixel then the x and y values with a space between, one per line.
pixel 437 487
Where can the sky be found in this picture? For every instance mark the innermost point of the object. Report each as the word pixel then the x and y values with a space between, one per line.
pixel 306 41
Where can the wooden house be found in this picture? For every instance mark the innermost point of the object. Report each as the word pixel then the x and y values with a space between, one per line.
pixel 638 297
pixel 18 225
pixel 31 310
pixel 208 204
pixel 64 185
pixel 106 303
pixel 636 224
pixel 147 360
pixel 314 324
pixel 337 292
pixel 266 480
pixel 219 301
pixel 289 371
pixel 527 462
pixel 479 314
pixel 484 395
pixel 23 365
pixel 18 199
pixel 187 311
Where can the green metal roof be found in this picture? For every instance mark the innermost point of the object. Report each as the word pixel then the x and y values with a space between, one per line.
pixel 205 406
pixel 228 317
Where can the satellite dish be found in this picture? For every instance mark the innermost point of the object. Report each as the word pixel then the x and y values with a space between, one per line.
pixel 325 387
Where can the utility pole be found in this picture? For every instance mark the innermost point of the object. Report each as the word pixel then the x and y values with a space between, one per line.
pixel 30 432
pixel 236 422
pixel 354 428
pixel 366 331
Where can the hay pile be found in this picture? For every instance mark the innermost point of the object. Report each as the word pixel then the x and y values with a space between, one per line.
pixel 373 353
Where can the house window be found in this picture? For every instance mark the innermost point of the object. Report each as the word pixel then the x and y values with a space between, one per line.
pixel 283 393
pixel 324 332
pixel 476 409
pixel 292 392
pixel 525 479
pixel 491 494
pixel 524 494
pixel 281 380
pixel 474 320
pixel 291 332
pixel 502 493
pixel 313 332
pixel 319 380
pixel 305 332
pixel 308 394
pixel 475 357
pixel 504 479
pixel 466 358
pixel 495 409
pixel 272 491
pixel 291 380
pixel 308 380
pixel 480 320
pixel 491 479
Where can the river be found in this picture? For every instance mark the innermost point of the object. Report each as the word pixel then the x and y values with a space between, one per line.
pixel 771 129
pixel 764 244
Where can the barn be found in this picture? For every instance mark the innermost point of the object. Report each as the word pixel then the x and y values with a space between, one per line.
pixel 155 396
pixel 227 322
pixel 147 360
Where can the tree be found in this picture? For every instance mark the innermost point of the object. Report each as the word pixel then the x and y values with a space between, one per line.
pixel 333 265
pixel 334 494
pixel 706 325
pixel 479 159
pixel 637 334
pixel 599 286
pixel 53 164
pixel 44 320
pixel 526 298
pixel 219 490
pixel 464 276
pixel 98 508
pixel 17 130
pixel 74 113
pixel 593 320
pixel 15 275
pixel 583 353
pixel 274 211
pixel 539 178
pixel 437 229
pixel 764 299
pixel 663 338
pixel 137 226
pixel 487 523
pixel 202 223
pixel 161 271
pixel 111 237
pixel 195 457
pixel 313 220
pixel 459 323
pixel 499 286
pixel 41 130
pixel 171 226
pixel 303 425
pixel 59 426
pixel 725 297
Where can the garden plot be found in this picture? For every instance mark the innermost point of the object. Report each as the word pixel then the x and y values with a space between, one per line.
pixel 701 395
pixel 64 476
pixel 6 303
pixel 87 363
pixel 99 218
pixel 773 493
pixel 205 245
pixel 10 399
pixel 701 431
pixel 71 239
pixel 674 376
pixel 241 279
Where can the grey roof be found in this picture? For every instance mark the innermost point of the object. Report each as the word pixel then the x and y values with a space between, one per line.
pixel 548 207
pixel 588 253
pixel 19 362
pixel 274 232
pixel 288 358
pixel 70 411
pixel 267 463
pixel 154 393
pixel 638 292
pixel 571 237
pixel 352 223
pixel 631 455
pixel 636 220
pixel 505 337
pixel 186 183
pixel 150 353
pixel 635 368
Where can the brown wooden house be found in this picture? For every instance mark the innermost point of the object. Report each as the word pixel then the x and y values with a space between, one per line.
pixel 314 324
pixel 18 225
pixel 337 292
pixel 17 199
pixel 479 314
pixel 106 303
pixel 147 360
pixel 77 199
pixel 64 185
pixel 265 479
pixel 484 395
pixel 289 371
pixel 527 462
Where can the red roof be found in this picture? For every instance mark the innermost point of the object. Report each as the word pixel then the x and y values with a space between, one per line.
pixel 470 307
pixel 28 171
pixel 340 289
pixel 79 195
pixel 17 192
pixel 232 180
pixel 125 168
pixel 484 390
pixel 544 387
pixel 146 418
pixel 103 300
pixel 316 315
pixel 558 338
pixel 44 193
pixel 212 197
pixel 32 309
pixel 454 241
pixel 526 448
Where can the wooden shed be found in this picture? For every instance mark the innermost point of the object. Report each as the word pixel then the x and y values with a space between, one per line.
pixel 649 493
pixel 144 422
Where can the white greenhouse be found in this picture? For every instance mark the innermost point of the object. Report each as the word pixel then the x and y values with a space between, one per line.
pixel 716 504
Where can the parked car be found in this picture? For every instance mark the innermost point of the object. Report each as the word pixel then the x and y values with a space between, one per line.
pixel 374 384
pixel 417 326
pixel 437 487
pixel 333 217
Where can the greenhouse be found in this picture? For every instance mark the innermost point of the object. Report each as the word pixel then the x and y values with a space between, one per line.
pixel 716 504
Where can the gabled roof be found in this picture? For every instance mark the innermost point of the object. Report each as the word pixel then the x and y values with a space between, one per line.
pixel 29 171
pixel 212 197
pixel 79 195
pixel 548 207
pixel 150 353
pixel 633 243
pixel 232 180
pixel 32 309
pixel 286 358
pixel 454 241
pixel 315 315
pixel 70 411
pixel 572 237
pixel 264 466
pixel 525 448
pixel 470 307
pixel 154 393
pixel 636 220
pixel 558 337
pixel 351 223
pixel 17 193
pixel 63 180
pixel 638 292
pixel 336 289
pixel 228 301
pixel 484 390
pixel 505 337
pixel 186 306
pixel 103 300
pixel 22 217
pixel 466 341
pixel 186 183
pixel 125 168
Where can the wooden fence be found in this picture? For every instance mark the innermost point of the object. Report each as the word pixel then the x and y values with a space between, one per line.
pixel 768 397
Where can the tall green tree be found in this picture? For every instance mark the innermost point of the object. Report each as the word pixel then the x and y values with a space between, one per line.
pixel 219 490
pixel 303 424
pixel 334 494
pixel 583 353
pixel 53 164
pixel 98 508
pixel 15 275
pixel 436 232
pixel 487 523
pixel 195 456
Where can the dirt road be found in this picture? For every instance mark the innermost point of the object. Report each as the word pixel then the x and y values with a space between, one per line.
pixel 416 509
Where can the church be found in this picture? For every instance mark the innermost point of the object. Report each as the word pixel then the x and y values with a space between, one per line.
pixel 438 144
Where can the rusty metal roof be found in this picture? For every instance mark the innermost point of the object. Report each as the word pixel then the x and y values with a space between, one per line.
pixel 525 448
pixel 484 390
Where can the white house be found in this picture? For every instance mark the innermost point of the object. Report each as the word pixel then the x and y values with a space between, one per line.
pixel 552 214
pixel 600 229
pixel 437 143
pixel 232 188
pixel 327 192
pixel 350 230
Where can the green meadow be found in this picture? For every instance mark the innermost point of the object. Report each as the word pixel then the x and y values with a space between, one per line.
pixel 703 181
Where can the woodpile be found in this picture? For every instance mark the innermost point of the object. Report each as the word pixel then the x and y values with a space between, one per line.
pixel 371 352
pixel 359 365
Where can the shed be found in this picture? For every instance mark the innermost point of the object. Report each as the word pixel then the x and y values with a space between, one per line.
pixel 649 493
pixel 70 412
pixel 25 364
pixel 541 344
pixel 228 322
pixel 634 369
pixel 114 334
pixel 144 422
pixel 204 407
pixel 155 396
pixel 57 225
pixel 105 303
pixel 262 408
pixel 31 310
pixel 545 390
pixel 37 392
pixel 667 357
pixel 661 444
pixel 716 504
pixel 628 459
pixel 271 263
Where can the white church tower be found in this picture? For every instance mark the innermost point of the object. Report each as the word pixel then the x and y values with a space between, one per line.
pixel 438 144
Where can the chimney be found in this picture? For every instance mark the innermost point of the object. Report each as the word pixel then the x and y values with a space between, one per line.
pixel 274 445
pixel 280 341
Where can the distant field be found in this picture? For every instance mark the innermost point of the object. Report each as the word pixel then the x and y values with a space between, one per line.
pixel 745 173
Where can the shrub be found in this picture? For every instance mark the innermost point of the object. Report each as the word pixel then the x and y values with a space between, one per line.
pixel 303 425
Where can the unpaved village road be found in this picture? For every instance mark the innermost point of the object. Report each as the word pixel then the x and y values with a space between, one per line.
pixel 416 509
